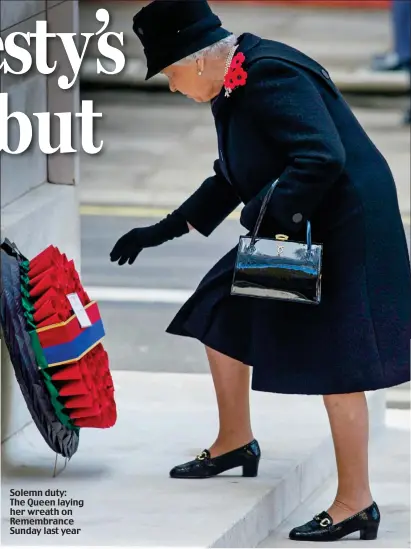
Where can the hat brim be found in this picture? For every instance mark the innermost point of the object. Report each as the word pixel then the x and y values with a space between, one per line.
pixel 155 67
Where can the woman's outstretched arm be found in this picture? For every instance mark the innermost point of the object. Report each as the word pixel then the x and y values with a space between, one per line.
pixel 210 204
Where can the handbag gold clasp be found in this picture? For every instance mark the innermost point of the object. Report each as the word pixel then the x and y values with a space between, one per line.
pixel 281 237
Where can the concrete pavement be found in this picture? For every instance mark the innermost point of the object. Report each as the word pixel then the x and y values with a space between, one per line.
pixel 390 481
pixel 119 477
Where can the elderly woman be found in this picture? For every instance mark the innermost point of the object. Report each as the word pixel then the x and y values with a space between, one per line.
pixel 279 117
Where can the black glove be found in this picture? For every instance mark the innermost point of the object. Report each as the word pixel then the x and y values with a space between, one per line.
pixel 131 244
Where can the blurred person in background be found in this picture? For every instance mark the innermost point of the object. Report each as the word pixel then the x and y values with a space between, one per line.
pixel 278 115
pixel 400 58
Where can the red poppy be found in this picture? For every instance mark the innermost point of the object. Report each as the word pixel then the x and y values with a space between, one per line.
pixel 240 77
pixel 229 81
pixel 236 75
pixel 238 60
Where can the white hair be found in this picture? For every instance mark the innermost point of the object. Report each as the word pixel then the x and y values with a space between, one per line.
pixel 219 49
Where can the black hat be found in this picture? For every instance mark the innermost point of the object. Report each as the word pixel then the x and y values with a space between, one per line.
pixel 170 30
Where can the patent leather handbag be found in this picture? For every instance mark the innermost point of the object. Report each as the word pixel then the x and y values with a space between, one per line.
pixel 278 268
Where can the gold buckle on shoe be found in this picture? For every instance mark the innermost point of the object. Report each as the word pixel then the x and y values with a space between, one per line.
pixel 202 456
pixel 323 522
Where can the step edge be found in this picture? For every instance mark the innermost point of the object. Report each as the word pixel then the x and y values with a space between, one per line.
pixel 273 508
pixel 251 529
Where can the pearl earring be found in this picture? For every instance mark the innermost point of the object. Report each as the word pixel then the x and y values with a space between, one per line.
pixel 200 73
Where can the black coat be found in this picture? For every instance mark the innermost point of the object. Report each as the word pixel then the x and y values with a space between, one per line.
pixel 290 122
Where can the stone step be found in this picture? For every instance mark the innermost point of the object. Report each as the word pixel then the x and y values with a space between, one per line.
pixel 390 482
pixel 165 419
pixel 399 397
pixel 348 80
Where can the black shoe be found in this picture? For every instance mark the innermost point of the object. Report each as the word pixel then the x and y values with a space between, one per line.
pixel 247 457
pixel 321 528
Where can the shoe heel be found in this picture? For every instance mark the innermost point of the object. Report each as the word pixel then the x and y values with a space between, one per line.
pixel 250 469
pixel 369 533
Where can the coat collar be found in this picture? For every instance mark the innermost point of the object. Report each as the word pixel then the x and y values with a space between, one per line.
pixel 246 42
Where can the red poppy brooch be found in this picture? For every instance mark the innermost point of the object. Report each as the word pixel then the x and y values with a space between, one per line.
pixel 236 76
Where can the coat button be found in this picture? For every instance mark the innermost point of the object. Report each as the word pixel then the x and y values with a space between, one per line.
pixel 325 73
pixel 297 218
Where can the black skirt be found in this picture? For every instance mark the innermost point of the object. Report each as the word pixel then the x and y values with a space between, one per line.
pixel 357 339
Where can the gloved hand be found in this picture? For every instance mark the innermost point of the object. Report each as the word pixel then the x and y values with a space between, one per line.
pixel 129 246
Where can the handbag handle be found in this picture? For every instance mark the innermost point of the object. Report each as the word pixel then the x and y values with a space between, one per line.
pixel 262 213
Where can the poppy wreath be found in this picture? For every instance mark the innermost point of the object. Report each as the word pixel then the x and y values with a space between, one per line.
pixel 59 361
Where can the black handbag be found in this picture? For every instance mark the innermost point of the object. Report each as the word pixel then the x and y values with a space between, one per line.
pixel 278 268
